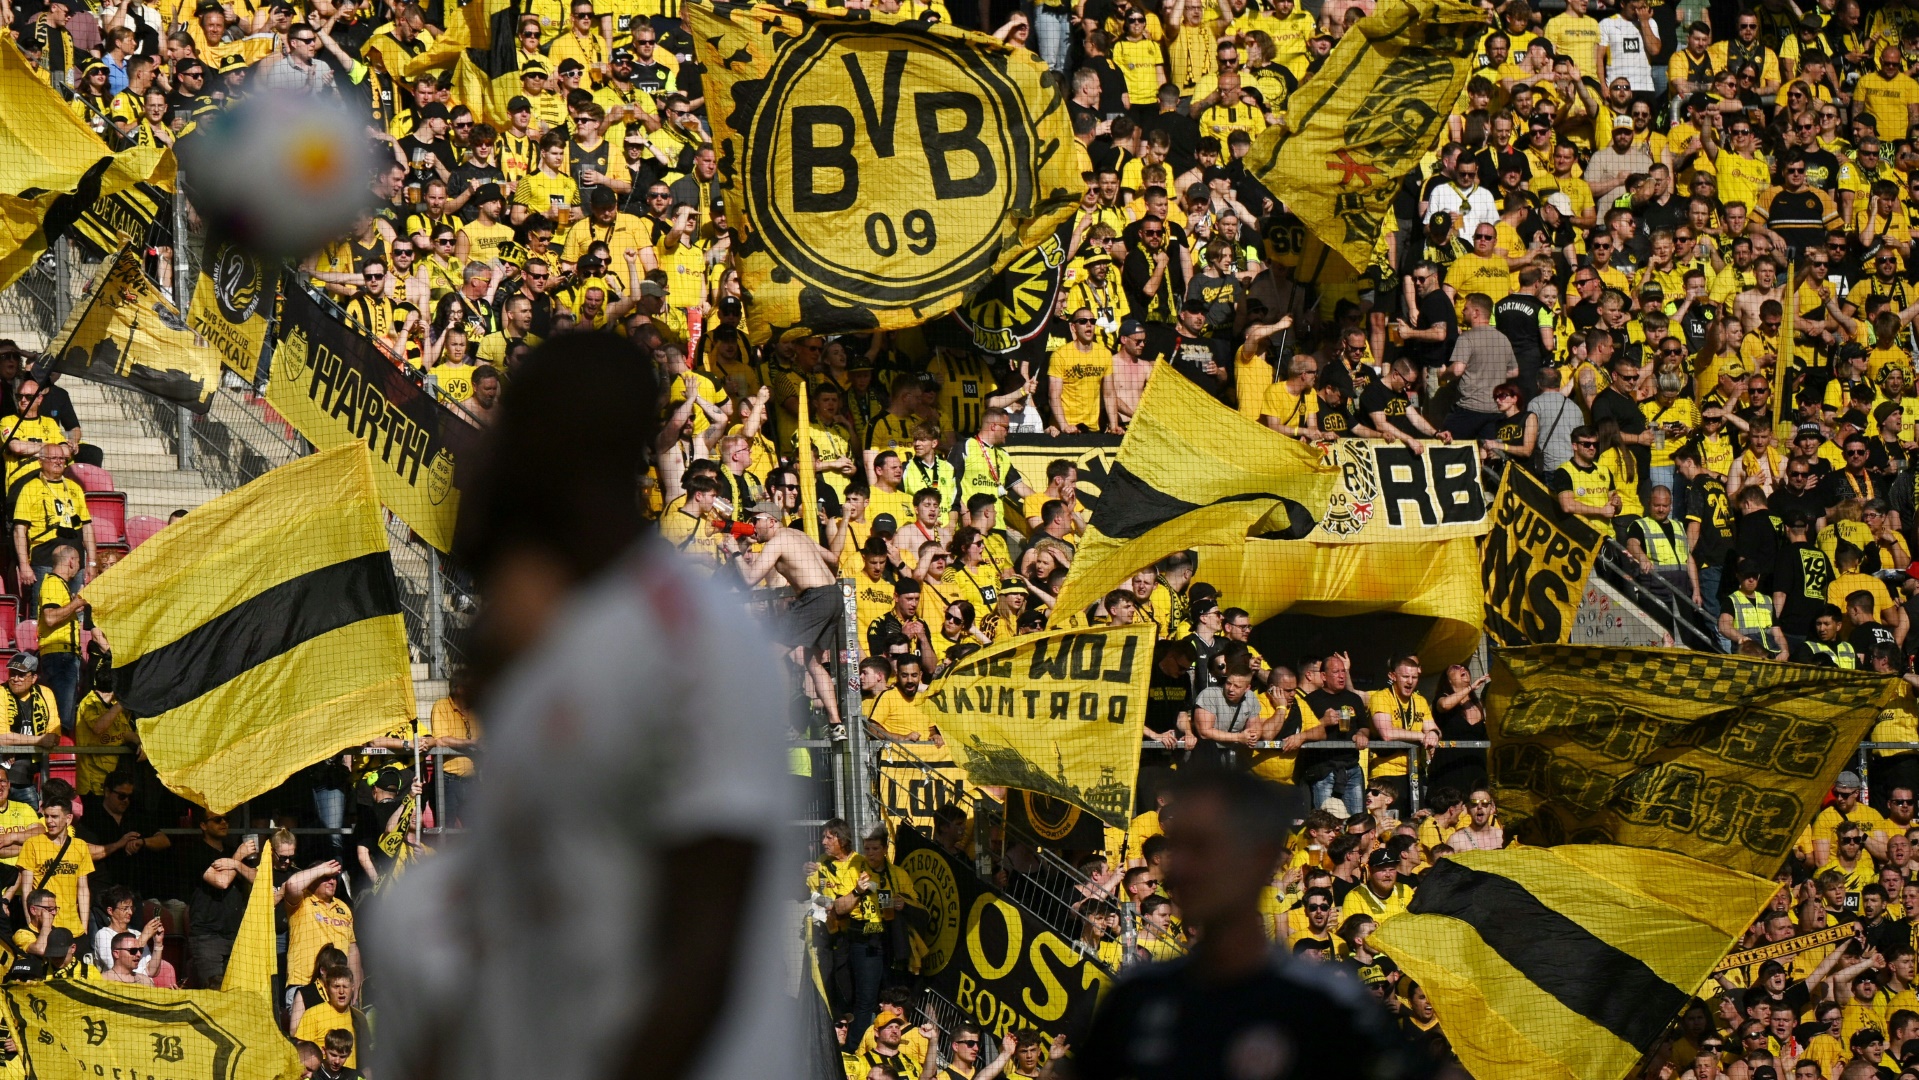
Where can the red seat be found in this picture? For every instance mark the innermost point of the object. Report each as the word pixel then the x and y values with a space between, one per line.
pixel 64 766
pixel 9 614
pixel 26 635
pixel 141 527
pixel 109 510
pixel 90 477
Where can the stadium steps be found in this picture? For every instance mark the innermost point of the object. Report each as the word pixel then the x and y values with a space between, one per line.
pixel 142 463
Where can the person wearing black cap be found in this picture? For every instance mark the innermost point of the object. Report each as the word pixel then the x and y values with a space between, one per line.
pixel 427 150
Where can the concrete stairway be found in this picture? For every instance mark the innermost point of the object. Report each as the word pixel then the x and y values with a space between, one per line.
pixel 142 463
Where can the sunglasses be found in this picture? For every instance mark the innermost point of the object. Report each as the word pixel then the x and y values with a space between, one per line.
pixel 1851 840
pixel 1319 907
pixel 1479 802
pixel 1083 322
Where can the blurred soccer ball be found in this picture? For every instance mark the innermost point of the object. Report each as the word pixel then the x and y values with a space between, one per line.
pixel 283 174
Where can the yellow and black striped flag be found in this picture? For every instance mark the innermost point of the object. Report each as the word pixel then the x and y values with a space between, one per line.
pixel 1190 472
pixel 1566 963
pixel 263 632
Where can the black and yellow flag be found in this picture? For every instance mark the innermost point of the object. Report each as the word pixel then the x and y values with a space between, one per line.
pixel 1534 564
pixel 1359 124
pixel 54 168
pixel 262 633
pixel 85 1029
pixel 1566 963
pixel 877 172
pixel 126 332
pixel 233 304
pixel 1719 758
pixel 1060 713
pixel 1190 472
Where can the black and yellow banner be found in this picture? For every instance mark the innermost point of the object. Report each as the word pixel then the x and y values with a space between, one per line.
pixel 1358 125
pixel 1190 471
pixel 1016 304
pixel 86 1029
pixel 1566 963
pixel 263 632
pixel 1534 564
pixel 125 216
pixel 993 959
pixel 1719 758
pixel 1386 493
pixel 336 388
pixel 878 172
pixel 1792 946
pixel 915 781
pixel 126 332
pixel 1060 713
pixel 233 304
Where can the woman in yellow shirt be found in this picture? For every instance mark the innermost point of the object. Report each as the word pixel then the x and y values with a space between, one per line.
pixel 1615 458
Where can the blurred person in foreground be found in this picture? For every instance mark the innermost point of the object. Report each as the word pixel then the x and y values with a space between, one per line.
pixel 1234 999
pixel 629 696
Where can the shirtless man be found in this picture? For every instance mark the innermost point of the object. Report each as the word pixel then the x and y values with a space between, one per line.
pixel 1130 371
pixel 126 957
pixel 485 402
pixel 811 624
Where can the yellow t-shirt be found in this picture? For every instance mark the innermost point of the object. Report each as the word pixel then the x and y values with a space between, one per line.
pixel 1081 372
pixel 313 924
pixel 1412 713
pixel 39 431
pixel 91 777
pixel 451 721
pixel 63 881
pixel 322 1018
pixel 65 638
pixel 1290 409
pixel 891 711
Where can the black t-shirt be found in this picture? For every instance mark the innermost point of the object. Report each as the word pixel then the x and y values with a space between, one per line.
pixel 415 152
pixel 215 911
pixel 485 174
pixel 1707 504
pixel 1434 310
pixel 1866 635
pixel 1755 537
pixel 1378 398
pixel 369 826
pixel 1189 355
pixel 1353 714
pixel 1516 315
pixel 1162 1022
pixel 1802 572
pixel 1183 131
pixel 96 826
pixel 1166 697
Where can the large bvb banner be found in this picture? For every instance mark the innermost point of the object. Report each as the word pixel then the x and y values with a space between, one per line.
pixel 991 958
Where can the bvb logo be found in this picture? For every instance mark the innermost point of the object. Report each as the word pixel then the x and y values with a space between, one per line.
pixel 933 880
pixel 890 162
pixel 236 285
pixel 1352 503
pixel 439 479
pixel 290 362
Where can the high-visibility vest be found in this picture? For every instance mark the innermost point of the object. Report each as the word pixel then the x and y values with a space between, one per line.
pixel 1751 612
pixel 985 472
pixel 1665 546
pixel 1842 655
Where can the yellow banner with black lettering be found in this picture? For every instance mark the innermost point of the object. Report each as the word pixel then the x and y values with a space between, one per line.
pixel 125 332
pixel 336 387
pixel 1534 564
pixel 1720 758
pixel 1359 124
pixel 85 1029
pixel 1061 713
pixel 233 304
pixel 877 172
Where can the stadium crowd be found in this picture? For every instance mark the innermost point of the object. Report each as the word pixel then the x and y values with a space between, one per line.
pixel 1587 276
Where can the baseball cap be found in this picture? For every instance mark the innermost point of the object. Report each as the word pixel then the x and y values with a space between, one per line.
pixel 1652 288
pixel 518 103
pixel 622 55
pixel 205 6
pixel 189 67
pixel 1847 781
pixel 1130 326
pixel 1380 859
pixel 435 111
pixel 1196 304
pixel 488 193
pixel 1561 202
pixel 764 507
pixel 30 663
pixel 1816 432
pixel 1204 607
pixel 884 523
pixel 888 1015
pixel 730 305
pixel 571 63
pixel 1854 418
pixel 652 288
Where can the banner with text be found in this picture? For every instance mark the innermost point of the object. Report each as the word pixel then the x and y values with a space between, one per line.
pixel 336 387
pixel 1060 713
pixel 233 304
pixel 993 959
pixel 82 1029
pixel 1720 758
pixel 1534 564
pixel 125 332
pixel 916 780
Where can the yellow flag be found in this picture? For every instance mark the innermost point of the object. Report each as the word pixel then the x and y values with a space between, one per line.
pixel 52 165
pixel 471 28
pixel 233 303
pixel 262 633
pixel 125 332
pixel 254 960
pixel 1566 963
pixel 1190 471
pixel 1362 121
pixel 1060 713
pixel 85 1029
pixel 1533 567
pixel 1432 586
pixel 877 172
pixel 1720 758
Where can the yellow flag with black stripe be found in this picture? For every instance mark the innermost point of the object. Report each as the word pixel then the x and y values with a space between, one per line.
pixel 1359 124
pixel 263 632
pixel 1721 758
pixel 85 1029
pixel 1566 963
pixel 1190 472
pixel 1060 713
pixel 877 172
